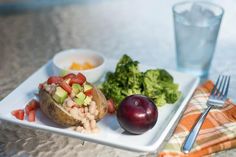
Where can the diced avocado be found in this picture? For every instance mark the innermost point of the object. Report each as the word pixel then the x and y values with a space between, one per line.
pixel 87 100
pixel 78 101
pixel 76 88
pixel 81 95
pixel 80 98
pixel 87 87
pixel 60 95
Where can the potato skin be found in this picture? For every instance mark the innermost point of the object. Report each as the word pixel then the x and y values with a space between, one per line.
pixel 101 103
pixel 54 111
pixel 60 116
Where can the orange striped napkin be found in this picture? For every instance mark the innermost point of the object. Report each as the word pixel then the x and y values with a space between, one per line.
pixel 218 132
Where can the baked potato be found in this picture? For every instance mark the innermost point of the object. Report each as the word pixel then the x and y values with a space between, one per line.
pixel 59 113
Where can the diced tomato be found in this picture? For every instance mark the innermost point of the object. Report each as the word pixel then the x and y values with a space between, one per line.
pixel 54 79
pixel 76 80
pixel 111 106
pixel 31 116
pixel 69 76
pixel 32 105
pixel 89 92
pixel 27 109
pixel 14 112
pixel 19 114
pixel 66 87
pixel 40 86
pixel 81 77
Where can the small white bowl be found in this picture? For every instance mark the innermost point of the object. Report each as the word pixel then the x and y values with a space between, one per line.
pixel 63 60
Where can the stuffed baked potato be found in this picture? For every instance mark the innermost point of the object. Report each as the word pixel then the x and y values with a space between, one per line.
pixel 72 101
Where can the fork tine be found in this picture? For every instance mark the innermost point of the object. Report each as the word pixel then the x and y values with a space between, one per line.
pixel 223 85
pixel 215 86
pixel 218 91
pixel 225 92
pixel 221 90
pixel 218 85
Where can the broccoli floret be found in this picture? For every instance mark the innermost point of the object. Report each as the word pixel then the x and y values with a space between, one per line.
pixel 156 84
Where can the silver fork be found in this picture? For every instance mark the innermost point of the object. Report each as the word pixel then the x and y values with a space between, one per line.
pixel 216 99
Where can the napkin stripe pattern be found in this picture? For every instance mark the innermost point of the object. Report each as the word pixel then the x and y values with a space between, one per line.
pixel 218 131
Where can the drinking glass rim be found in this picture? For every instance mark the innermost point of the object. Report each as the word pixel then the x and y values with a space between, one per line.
pixel 199 2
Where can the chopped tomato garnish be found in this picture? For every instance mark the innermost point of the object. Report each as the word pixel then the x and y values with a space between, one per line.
pixel 32 105
pixel 31 116
pixel 40 86
pixel 14 112
pixel 81 77
pixel 19 114
pixel 111 106
pixel 54 79
pixel 76 80
pixel 89 92
pixel 69 76
pixel 66 87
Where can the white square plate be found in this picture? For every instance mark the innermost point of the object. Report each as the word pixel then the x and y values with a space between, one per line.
pixel 110 133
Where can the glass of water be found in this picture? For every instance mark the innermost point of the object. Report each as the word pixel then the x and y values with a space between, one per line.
pixel 196 29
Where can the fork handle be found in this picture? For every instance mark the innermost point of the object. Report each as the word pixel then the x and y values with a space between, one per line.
pixel 194 132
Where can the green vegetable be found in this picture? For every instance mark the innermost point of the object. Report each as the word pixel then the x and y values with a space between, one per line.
pixel 87 87
pixel 76 88
pixel 60 95
pixel 79 100
pixel 87 100
pixel 157 84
